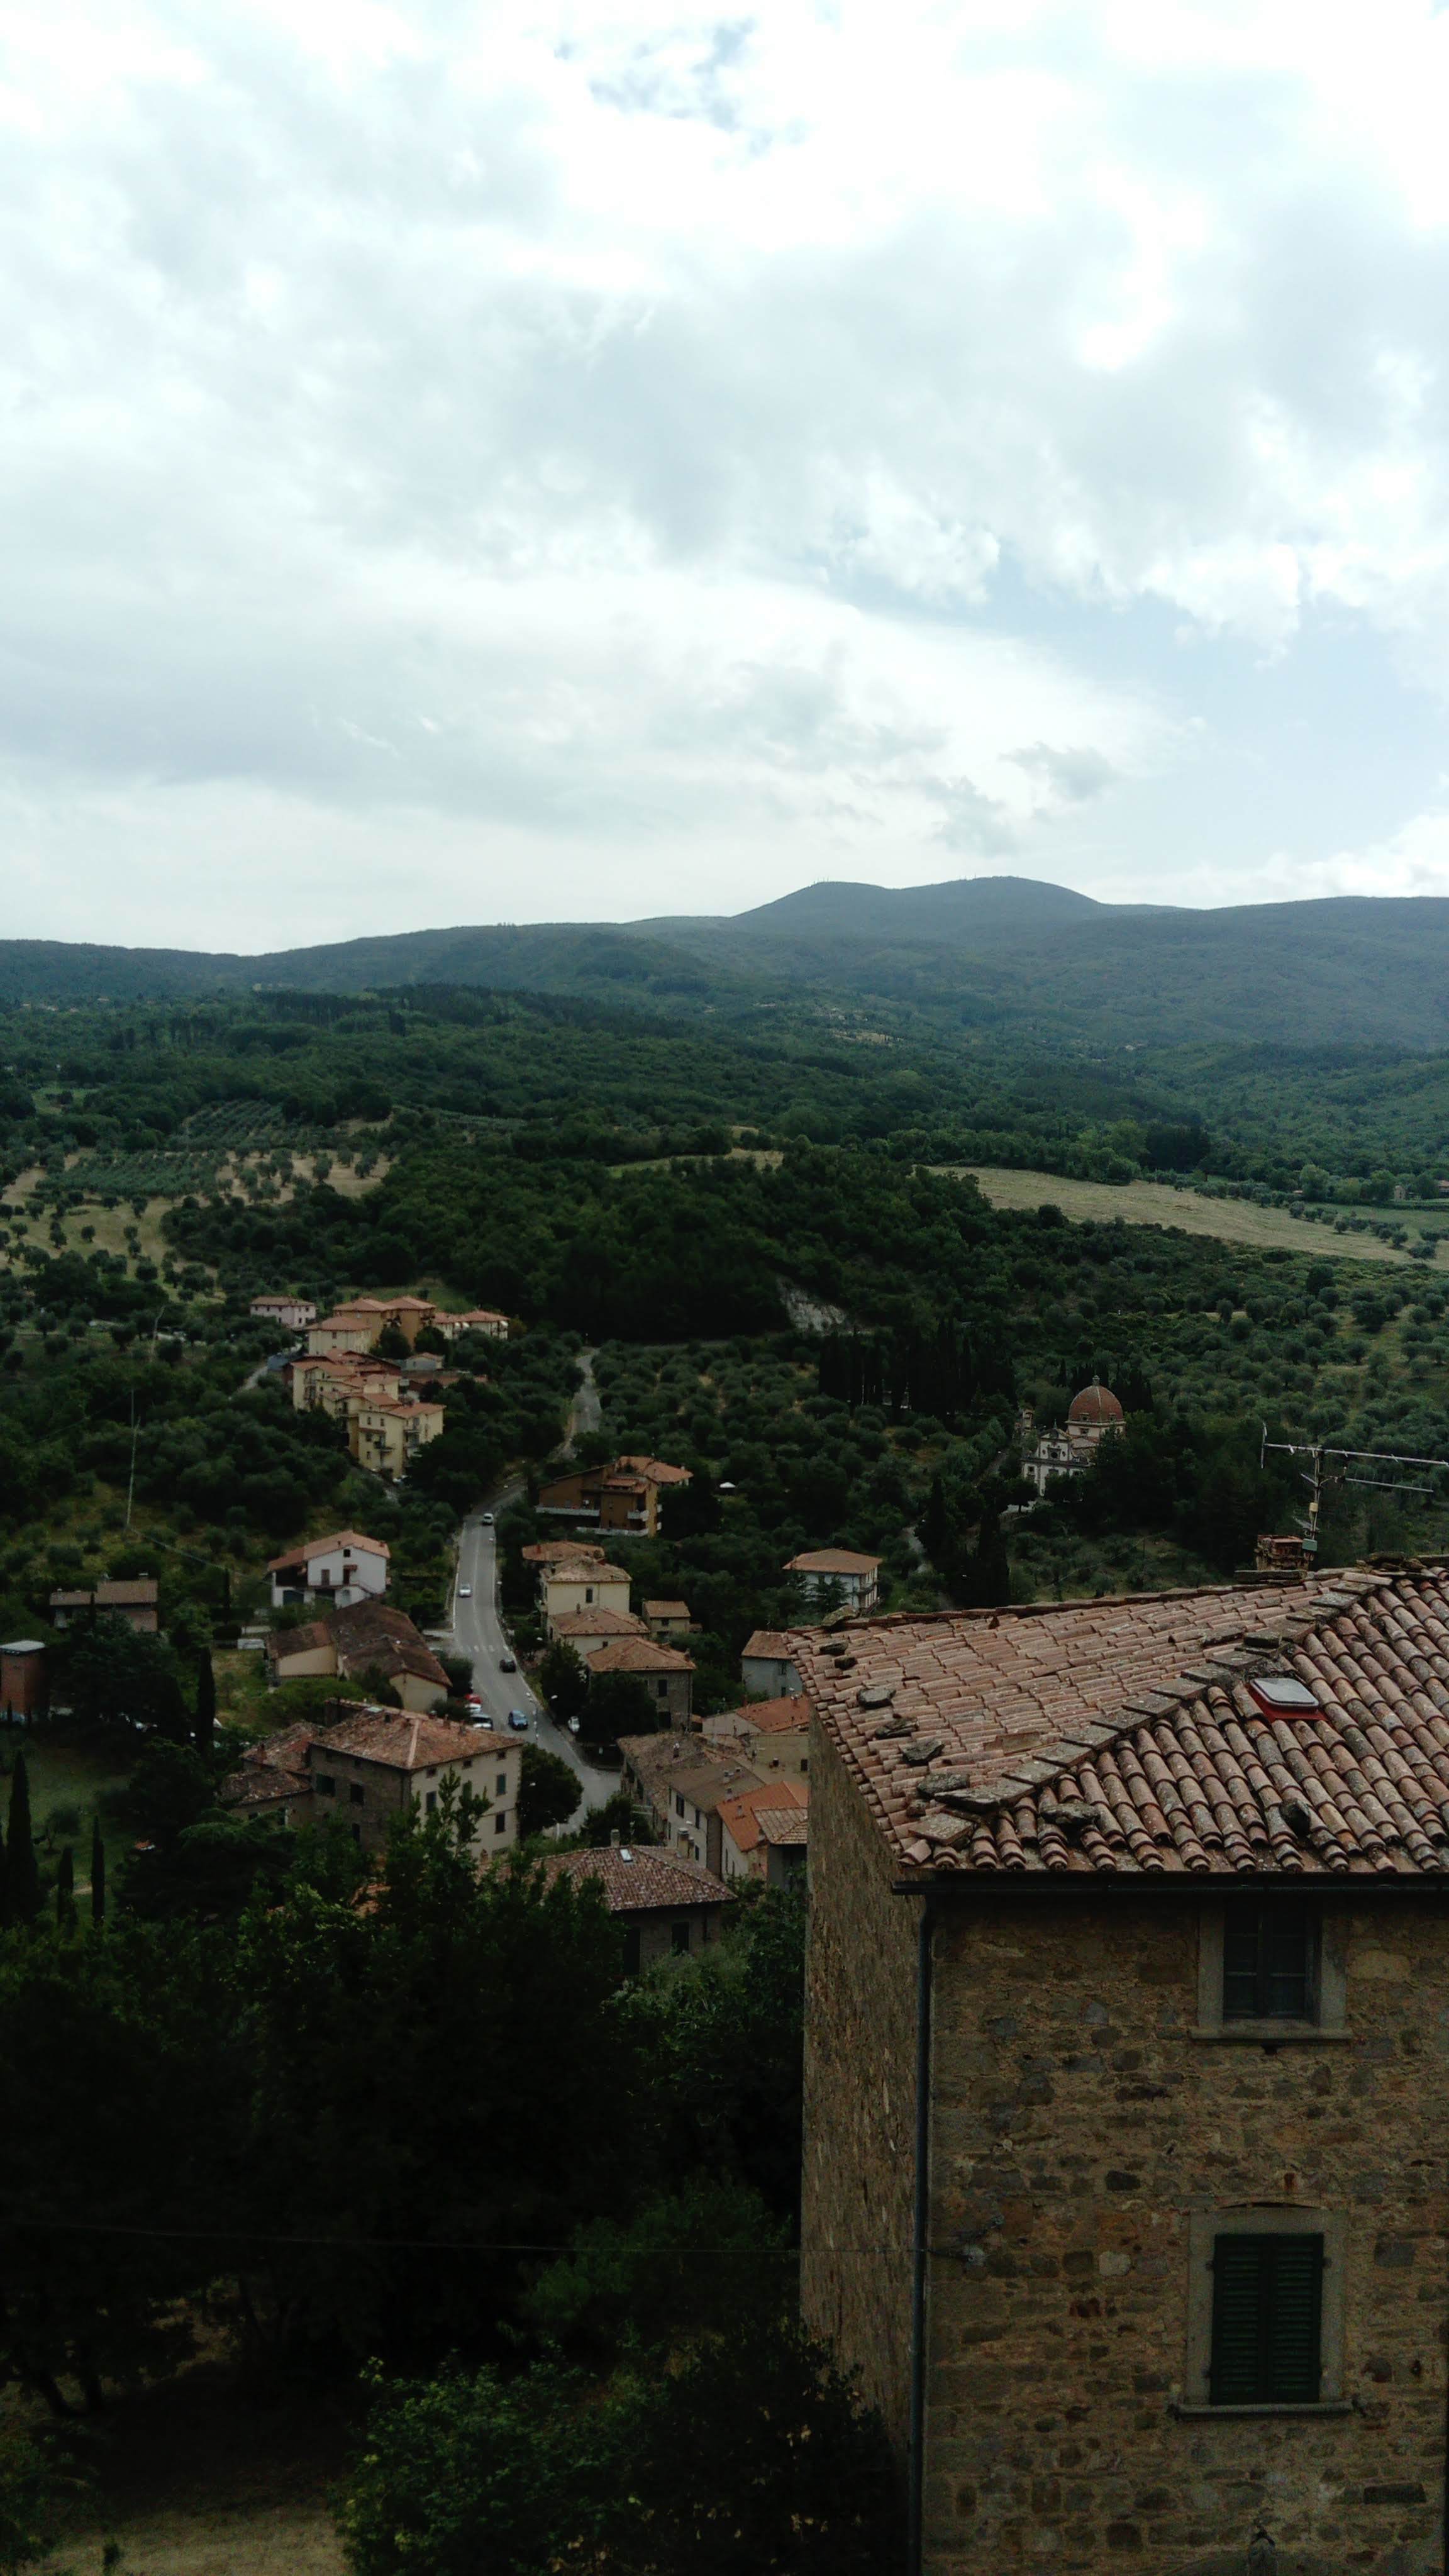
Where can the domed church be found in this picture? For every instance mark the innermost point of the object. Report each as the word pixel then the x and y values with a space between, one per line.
pixel 1092 1413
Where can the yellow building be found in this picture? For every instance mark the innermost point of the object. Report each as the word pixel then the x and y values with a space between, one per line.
pixel 386 1435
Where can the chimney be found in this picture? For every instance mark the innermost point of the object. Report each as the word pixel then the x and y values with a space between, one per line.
pixel 614 1841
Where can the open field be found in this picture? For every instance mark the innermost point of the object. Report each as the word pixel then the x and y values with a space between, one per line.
pixel 1231 1220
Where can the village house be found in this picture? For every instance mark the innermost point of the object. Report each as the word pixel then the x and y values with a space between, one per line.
pixel 667 1675
pixel 336 1570
pixel 1126 2082
pixel 24 1688
pixel 667 1619
pixel 136 1602
pixel 587 1630
pixel 368 1642
pixel 337 1385
pixel 292 1314
pixel 763 1833
pixel 622 1497
pixel 767 1666
pixel 574 1583
pixel 370 1767
pixel 1093 1412
pixel 773 1735
pixel 837 1575
pixel 343 1330
pixel 272 1784
pixel 385 1436
pixel 546 1552
pixel 478 1319
pixel 680 1781
pixel 664 1904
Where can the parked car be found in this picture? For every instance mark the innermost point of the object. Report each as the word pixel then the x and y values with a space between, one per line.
pixel 486 1519
pixel 508 1663
pixel 465 1591
pixel 518 1721
pixel 473 1699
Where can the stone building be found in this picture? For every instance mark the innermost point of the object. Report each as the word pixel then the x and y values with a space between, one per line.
pixel 1127 2073
pixel 665 1673
pixel 664 1904
pixel 1069 1451
pixel 371 1766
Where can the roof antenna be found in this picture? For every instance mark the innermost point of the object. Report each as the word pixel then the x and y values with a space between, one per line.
pixel 1318 1474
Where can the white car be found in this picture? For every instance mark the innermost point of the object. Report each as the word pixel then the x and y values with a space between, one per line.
pixel 486 1519
pixel 465 1591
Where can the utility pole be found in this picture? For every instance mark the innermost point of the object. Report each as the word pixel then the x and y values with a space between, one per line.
pixel 131 1479
pixel 1317 1474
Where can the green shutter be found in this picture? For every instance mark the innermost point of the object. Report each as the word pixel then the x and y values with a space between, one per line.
pixel 1267 2313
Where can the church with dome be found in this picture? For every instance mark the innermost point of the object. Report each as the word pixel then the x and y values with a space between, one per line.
pixel 1069 1451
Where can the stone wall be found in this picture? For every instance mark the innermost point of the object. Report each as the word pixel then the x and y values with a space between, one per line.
pixel 1077 2128
pixel 860 2095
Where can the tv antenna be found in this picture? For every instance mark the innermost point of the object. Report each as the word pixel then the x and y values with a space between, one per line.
pixel 1319 1473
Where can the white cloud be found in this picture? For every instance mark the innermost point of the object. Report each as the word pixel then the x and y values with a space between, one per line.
pixel 676 453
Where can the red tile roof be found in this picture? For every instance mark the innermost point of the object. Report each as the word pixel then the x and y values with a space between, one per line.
pixel 832 1560
pixel 774 1716
pixel 405 1742
pixel 649 1879
pixel 324 1546
pixel 598 1622
pixel 769 1645
pixel 638 1655
pixel 1124 1735
pixel 743 1816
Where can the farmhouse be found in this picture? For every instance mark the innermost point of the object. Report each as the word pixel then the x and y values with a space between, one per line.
pixel 1126 2076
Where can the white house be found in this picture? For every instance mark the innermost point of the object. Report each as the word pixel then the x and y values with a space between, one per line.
pixel 333 1571
pixel 838 1574
pixel 294 1314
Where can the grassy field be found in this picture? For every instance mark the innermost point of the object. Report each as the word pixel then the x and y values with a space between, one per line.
pixel 198 2479
pixel 65 1772
pixel 1231 1220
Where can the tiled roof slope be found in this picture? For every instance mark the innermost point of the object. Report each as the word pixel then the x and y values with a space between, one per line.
pixel 1121 1736
pixel 647 1877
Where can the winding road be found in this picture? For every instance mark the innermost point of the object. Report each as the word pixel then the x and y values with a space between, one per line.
pixel 479 1633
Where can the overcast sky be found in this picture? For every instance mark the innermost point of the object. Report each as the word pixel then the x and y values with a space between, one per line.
pixel 578 461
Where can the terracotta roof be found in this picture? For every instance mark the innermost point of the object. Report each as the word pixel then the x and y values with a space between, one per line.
pixel 666 1609
pixel 774 1716
pixel 743 1815
pixel 573 1568
pixel 323 1547
pixel 117 1596
pixel 403 1741
pixel 705 1772
pixel 552 1551
pixel 638 1655
pixel 599 1622
pixel 1094 1403
pixel 372 1634
pixel 833 1560
pixel 304 1640
pixel 1126 1735
pixel 270 1771
pixel 648 1880
pixel 788 1828
pixel 657 1471
pixel 768 1644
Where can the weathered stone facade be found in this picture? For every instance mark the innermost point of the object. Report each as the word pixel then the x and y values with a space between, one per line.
pixel 860 2095
pixel 1083 2137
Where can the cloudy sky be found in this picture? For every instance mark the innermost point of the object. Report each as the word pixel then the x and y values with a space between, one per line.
pixel 579 459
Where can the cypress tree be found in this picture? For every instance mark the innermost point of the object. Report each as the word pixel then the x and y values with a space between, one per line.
pixel 65 1891
pixel 7 1916
pixel 205 1704
pixel 98 1875
pixel 24 1869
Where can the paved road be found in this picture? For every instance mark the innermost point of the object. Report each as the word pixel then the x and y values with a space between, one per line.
pixel 478 1632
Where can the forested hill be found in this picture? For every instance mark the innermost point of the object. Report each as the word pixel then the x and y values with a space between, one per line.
pixel 1034 961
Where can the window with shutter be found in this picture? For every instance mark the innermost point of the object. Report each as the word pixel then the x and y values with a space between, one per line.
pixel 1268 1963
pixel 1267 2320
